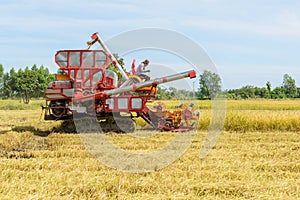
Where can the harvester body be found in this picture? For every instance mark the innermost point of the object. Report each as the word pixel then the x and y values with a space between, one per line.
pixel 85 85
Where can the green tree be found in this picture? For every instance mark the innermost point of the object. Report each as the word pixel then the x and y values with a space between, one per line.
pixel 25 84
pixel 44 77
pixel 173 93
pixel 289 86
pixel 269 88
pixel 278 93
pixel 1 79
pixel 5 89
pixel 113 68
pixel 31 82
pixel 262 92
pixel 210 85
pixel 1 72
pixel 160 93
pixel 9 84
pixel 247 92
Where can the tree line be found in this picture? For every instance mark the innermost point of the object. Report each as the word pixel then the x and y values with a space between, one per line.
pixel 28 83
pixel 288 89
pixel 210 88
pixel 24 84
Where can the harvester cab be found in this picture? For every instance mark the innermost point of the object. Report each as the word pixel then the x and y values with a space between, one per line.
pixel 85 85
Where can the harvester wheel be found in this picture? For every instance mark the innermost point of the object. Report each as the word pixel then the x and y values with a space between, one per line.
pixel 125 124
pixel 87 125
pixel 67 126
pixel 109 125
pixel 57 108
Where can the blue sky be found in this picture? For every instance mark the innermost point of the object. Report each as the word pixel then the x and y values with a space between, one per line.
pixel 250 42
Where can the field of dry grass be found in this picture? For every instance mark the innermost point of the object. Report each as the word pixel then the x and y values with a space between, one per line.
pixel 246 163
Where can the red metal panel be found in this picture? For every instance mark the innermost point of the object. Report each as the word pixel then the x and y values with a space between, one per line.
pixel 105 65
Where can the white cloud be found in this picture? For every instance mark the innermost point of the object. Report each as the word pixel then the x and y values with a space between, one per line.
pixel 283 28
pixel 201 15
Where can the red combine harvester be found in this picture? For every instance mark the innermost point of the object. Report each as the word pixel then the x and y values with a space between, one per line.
pixel 86 87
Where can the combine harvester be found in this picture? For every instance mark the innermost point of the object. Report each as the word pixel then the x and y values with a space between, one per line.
pixel 86 87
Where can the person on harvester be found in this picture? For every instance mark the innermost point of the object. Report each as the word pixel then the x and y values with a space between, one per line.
pixel 140 71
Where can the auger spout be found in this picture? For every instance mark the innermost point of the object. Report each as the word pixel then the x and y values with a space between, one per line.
pixel 191 74
pixel 97 38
